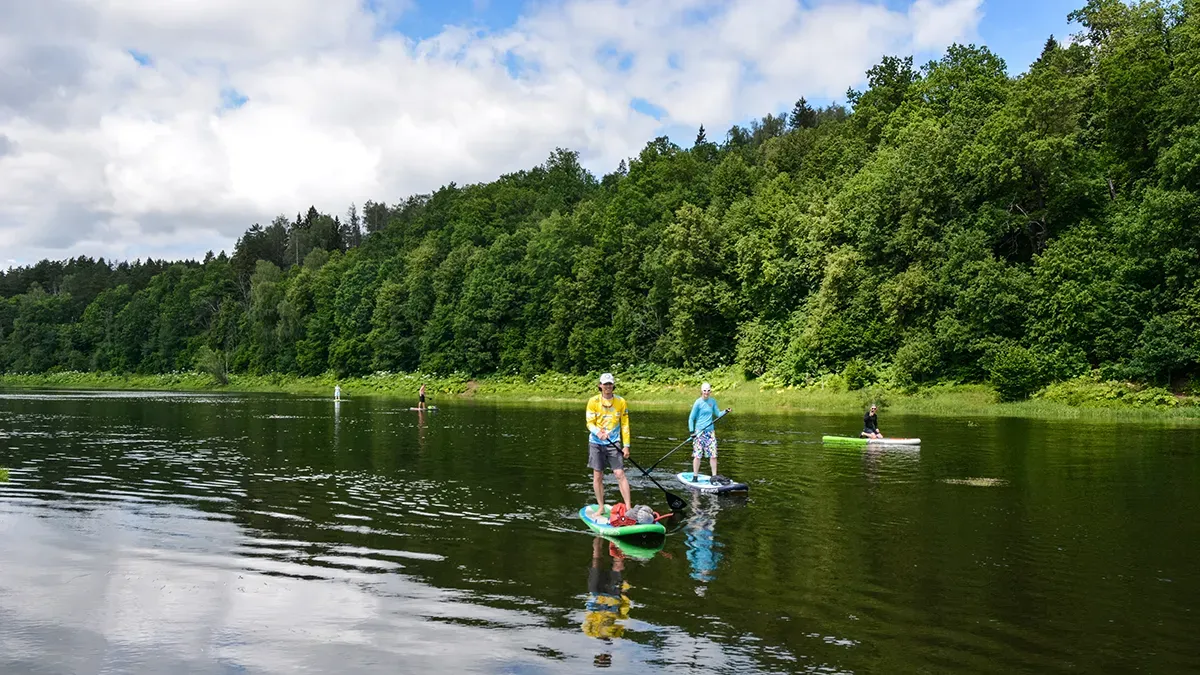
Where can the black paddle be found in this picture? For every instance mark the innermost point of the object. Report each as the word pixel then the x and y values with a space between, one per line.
pixel 673 500
pixel 689 439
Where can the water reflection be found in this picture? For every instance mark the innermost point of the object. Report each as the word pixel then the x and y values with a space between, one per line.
pixel 884 464
pixel 337 421
pixel 422 432
pixel 703 552
pixel 640 548
pixel 171 534
pixel 872 463
pixel 607 603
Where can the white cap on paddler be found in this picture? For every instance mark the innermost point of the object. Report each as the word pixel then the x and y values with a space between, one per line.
pixel 607 378
pixel 706 387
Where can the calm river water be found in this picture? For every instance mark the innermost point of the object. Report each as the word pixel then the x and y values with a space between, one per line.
pixel 176 533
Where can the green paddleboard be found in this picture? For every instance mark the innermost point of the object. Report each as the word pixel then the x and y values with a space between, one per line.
pixel 636 550
pixel 600 525
pixel 851 440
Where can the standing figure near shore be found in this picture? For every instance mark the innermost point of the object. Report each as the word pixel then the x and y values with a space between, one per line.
pixel 421 397
pixel 337 392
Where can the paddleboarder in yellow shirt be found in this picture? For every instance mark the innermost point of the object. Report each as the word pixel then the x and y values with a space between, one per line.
pixel 608 419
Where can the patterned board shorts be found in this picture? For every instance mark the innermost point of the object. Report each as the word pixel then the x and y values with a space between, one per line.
pixel 704 445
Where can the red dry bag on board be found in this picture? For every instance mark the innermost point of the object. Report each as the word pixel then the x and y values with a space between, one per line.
pixel 617 517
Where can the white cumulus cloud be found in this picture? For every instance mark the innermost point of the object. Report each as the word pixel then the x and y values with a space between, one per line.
pixel 133 128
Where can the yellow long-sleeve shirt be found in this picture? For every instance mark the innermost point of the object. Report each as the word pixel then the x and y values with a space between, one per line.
pixel 611 415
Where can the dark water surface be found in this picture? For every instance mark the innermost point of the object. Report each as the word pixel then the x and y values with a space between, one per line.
pixel 174 533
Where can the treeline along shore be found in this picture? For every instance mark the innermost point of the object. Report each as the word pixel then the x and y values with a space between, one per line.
pixel 949 225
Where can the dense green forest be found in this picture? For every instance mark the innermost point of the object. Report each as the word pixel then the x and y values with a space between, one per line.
pixel 949 223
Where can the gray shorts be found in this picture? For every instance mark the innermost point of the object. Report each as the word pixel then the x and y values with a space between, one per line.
pixel 600 456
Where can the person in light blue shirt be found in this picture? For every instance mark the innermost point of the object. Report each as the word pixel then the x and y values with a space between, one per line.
pixel 705 414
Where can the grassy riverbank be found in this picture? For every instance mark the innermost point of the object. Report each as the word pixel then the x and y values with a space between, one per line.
pixel 1084 398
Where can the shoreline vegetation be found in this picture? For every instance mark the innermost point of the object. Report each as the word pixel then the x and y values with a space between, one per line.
pixel 1084 398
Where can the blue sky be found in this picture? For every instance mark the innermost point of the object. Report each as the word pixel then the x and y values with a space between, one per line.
pixel 428 17
pixel 1015 29
pixel 1018 29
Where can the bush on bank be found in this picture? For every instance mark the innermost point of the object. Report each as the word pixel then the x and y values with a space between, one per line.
pixel 831 392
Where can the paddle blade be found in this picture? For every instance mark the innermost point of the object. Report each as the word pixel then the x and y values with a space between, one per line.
pixel 676 504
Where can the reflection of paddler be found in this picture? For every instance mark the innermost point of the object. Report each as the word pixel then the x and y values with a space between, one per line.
pixel 702 554
pixel 607 604
pixel 872 458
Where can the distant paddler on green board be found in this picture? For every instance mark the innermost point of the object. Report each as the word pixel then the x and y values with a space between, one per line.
pixel 871 424
pixel 870 435
pixel 608 419
pixel 421 397
pixel 701 427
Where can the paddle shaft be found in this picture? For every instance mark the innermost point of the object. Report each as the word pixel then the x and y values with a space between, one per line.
pixel 673 500
pixel 689 438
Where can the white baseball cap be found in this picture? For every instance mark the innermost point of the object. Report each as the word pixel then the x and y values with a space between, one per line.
pixel 706 387
pixel 607 378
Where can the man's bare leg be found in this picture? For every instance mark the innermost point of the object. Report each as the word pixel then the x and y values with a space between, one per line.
pixel 598 487
pixel 623 484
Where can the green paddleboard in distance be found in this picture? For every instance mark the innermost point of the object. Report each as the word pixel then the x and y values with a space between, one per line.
pixel 600 524
pixel 852 440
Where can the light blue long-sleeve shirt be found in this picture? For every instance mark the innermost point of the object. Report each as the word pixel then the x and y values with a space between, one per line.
pixel 704 414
